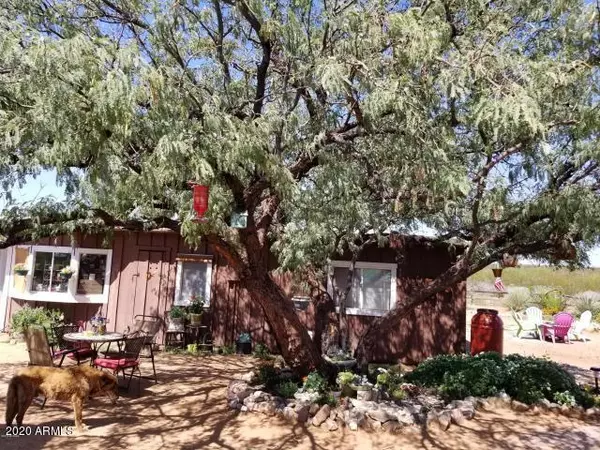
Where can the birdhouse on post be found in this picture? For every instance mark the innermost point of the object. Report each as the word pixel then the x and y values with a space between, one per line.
pixel 200 192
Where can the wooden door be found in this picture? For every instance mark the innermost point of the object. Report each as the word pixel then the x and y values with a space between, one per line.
pixel 151 283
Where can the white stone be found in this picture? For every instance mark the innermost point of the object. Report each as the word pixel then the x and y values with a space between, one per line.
pixel 331 425
pixel 444 418
pixel 457 417
pixel 302 412
pixel 519 406
pixel 314 408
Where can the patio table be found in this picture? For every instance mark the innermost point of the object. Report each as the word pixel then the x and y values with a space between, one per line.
pixel 96 340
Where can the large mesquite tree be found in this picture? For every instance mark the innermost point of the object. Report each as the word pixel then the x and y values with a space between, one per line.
pixel 322 119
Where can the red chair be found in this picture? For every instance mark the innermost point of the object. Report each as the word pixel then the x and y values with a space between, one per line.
pixel 127 358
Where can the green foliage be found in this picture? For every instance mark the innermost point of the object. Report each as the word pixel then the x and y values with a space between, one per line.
pixel 20 268
pixel 262 351
pixel 525 379
pixel 192 348
pixel 518 299
pixel 268 375
pixel 327 399
pixel 228 349
pixel 286 389
pixel 177 312
pixel 197 304
pixel 38 316
pixel 345 378
pixel 398 394
pixel 550 302
pixel 565 398
pixel 315 382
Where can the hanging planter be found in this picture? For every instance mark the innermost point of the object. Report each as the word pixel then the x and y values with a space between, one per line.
pixel 66 273
pixel 20 269
pixel 497 269
pixel 200 192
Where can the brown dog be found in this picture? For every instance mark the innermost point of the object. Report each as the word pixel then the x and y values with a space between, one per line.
pixel 73 384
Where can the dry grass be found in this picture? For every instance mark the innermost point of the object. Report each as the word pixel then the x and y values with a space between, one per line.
pixel 569 282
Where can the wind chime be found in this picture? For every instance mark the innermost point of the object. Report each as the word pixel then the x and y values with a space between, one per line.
pixel 200 192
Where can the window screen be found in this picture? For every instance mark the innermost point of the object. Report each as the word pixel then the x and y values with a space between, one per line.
pixel 193 281
pixel 376 289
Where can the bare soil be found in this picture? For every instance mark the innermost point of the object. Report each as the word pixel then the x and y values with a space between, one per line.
pixel 187 410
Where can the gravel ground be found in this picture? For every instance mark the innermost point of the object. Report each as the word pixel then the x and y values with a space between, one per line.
pixel 187 410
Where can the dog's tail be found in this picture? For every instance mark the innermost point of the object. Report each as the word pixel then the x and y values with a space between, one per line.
pixel 12 400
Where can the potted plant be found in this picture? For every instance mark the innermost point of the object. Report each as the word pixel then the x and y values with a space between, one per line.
pixel 21 269
pixel 345 381
pixel 99 324
pixel 196 309
pixel 176 316
pixel 340 358
pixel 363 388
pixel 244 344
pixel 66 273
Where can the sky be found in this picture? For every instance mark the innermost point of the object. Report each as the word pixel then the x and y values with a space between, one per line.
pixel 45 185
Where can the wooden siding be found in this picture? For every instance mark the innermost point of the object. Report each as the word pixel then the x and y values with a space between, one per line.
pixel 142 281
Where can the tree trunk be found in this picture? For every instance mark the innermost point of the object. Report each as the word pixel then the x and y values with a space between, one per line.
pixel 295 344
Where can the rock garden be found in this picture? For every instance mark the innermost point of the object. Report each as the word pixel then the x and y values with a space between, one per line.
pixel 441 391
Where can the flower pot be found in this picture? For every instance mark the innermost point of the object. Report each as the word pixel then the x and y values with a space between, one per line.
pixel 176 324
pixel 64 277
pixel 365 395
pixel 244 348
pixel 497 272
pixel 195 319
pixel 347 391
pixel 21 273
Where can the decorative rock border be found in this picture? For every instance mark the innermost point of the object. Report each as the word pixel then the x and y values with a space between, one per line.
pixel 387 415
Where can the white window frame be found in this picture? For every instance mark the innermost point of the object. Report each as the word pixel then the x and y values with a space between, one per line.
pixel 364 265
pixel 71 296
pixel 181 260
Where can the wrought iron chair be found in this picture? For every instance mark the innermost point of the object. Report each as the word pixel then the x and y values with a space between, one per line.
pixel 75 350
pixel 150 326
pixel 127 358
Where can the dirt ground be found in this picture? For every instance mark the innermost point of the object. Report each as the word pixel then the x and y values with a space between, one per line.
pixel 187 410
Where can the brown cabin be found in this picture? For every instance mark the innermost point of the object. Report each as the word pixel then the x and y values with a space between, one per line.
pixel 134 273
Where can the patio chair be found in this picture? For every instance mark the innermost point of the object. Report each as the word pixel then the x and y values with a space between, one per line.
pixel 559 328
pixel 40 353
pixel 584 322
pixel 150 325
pixel 525 325
pixel 128 358
pixel 78 351
pixel 535 316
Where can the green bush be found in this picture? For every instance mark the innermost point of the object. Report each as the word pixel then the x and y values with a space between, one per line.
pixel 262 351
pixel 315 382
pixel 286 389
pixel 327 399
pixel 550 302
pixel 39 316
pixel 228 349
pixel 526 379
pixel 345 378
pixel 268 375
pixel 518 299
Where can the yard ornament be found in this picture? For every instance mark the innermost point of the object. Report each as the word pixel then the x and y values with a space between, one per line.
pixel 200 200
pixel 498 284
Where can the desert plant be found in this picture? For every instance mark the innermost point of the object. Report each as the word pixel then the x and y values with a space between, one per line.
pixel 315 382
pixel 518 299
pixel 286 389
pixel 587 301
pixel 550 302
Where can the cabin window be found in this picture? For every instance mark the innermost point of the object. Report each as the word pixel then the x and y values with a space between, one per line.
pixel 194 274
pixel 89 282
pixel 46 271
pixel 373 289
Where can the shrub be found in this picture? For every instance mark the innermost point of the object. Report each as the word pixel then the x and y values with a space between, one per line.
pixel 345 378
pixel 267 375
pixel 315 382
pixel 526 379
pixel 286 389
pixel 228 350
pixel 398 394
pixel 587 301
pixel 550 301
pixel 39 316
pixel 327 399
pixel 261 351
pixel 565 398
pixel 518 299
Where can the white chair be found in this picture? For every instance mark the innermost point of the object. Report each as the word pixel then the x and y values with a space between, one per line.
pixel 581 325
pixel 535 316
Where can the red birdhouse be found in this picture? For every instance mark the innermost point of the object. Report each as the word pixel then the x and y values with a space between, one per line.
pixel 200 200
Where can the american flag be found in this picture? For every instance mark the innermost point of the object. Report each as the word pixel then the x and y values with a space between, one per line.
pixel 499 285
